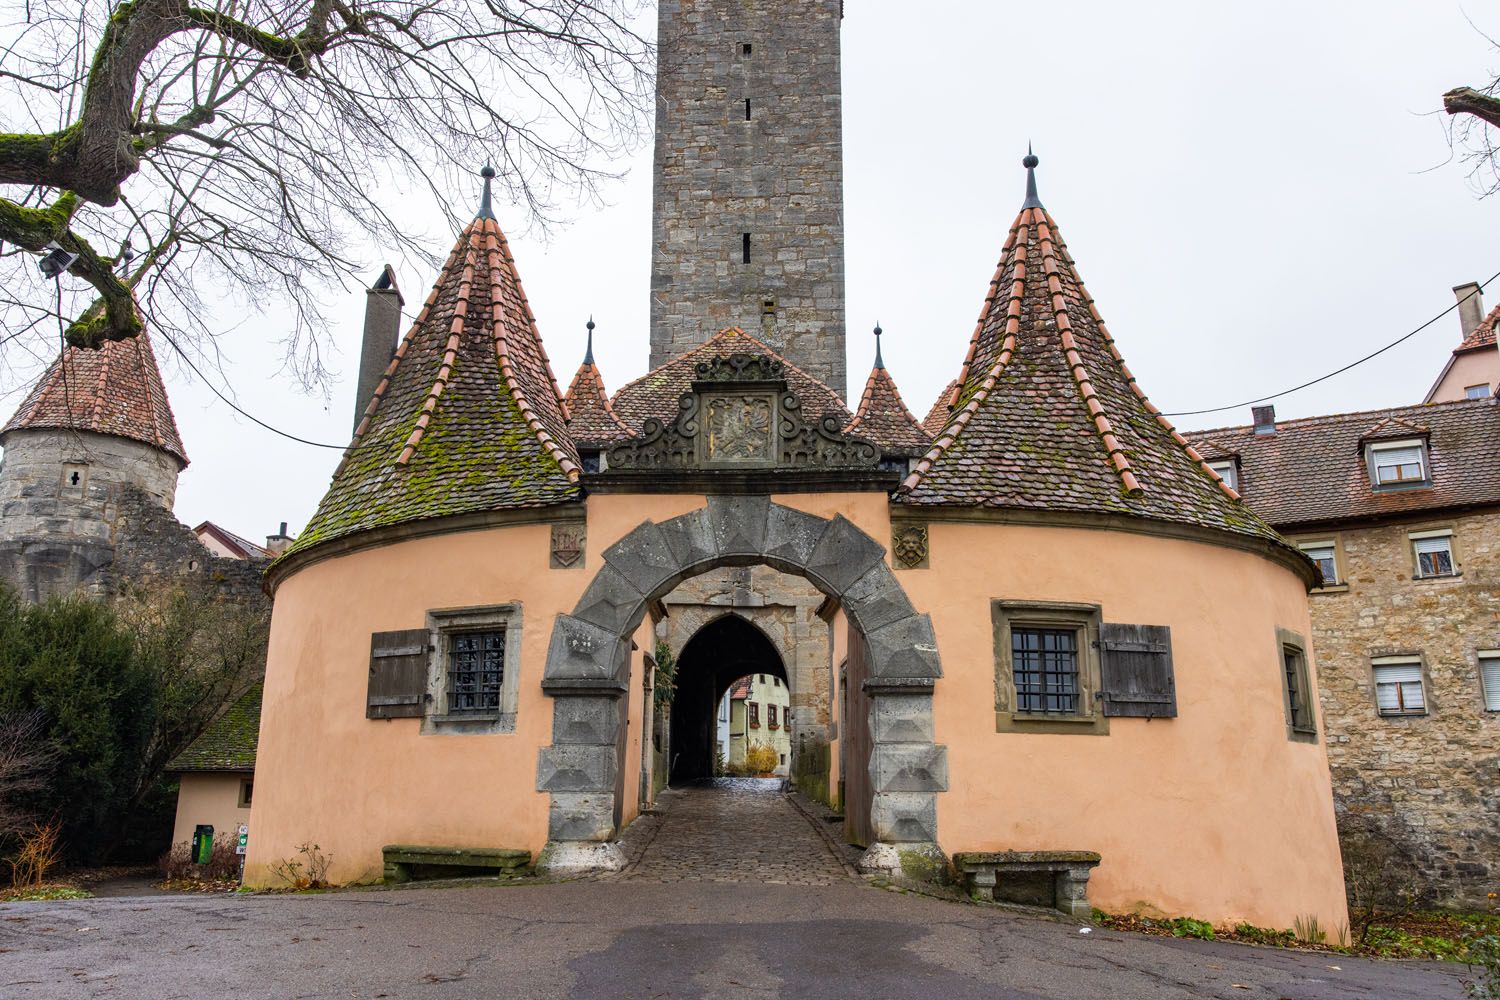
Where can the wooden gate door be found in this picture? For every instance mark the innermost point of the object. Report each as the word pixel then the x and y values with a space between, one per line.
pixel 855 743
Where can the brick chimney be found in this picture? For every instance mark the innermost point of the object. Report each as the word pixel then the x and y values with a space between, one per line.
pixel 1470 306
pixel 279 542
pixel 382 329
pixel 1265 419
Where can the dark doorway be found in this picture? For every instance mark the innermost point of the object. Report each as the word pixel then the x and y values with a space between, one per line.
pixel 717 655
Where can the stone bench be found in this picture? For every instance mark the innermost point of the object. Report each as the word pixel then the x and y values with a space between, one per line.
pixel 400 859
pixel 1070 872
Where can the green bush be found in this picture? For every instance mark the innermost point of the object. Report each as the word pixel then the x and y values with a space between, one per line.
pixel 1188 927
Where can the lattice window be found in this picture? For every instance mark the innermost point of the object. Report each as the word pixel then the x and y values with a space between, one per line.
pixel 476 667
pixel 1044 662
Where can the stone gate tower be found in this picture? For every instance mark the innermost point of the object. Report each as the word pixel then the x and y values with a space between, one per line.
pixel 748 226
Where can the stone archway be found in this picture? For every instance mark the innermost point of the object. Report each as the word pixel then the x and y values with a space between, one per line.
pixel 588 662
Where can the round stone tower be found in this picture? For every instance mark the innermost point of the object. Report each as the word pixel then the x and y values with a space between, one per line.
pixel 93 443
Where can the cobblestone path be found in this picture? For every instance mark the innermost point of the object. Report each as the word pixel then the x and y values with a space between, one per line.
pixel 736 830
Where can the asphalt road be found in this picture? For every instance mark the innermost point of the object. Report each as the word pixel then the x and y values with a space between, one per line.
pixel 623 939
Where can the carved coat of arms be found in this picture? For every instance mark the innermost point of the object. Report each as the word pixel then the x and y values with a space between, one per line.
pixel 739 427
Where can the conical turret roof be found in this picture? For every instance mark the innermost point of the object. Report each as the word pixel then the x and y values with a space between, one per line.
pixel 1048 416
pixel 937 416
pixel 591 418
pixel 882 416
pixel 468 416
pixel 114 389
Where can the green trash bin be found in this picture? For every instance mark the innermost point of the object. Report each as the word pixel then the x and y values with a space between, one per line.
pixel 203 844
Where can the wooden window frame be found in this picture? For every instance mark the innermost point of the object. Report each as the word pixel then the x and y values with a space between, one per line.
pixel 1085 620
pixel 1372 450
pixel 1305 731
pixel 442 624
pixel 1400 660
pixel 772 717
pixel 752 713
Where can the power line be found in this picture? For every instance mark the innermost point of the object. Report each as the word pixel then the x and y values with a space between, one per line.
pixel 1340 371
pixel 232 405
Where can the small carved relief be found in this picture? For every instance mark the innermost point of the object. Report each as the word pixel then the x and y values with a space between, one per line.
pixel 567 546
pixel 737 429
pixel 909 545
pixel 740 368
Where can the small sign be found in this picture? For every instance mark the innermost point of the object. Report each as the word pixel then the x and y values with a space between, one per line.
pixel 242 839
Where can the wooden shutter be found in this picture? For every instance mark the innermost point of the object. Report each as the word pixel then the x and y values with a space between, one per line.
pixel 398 674
pixel 1136 671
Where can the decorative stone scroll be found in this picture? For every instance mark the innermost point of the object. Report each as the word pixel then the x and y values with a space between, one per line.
pixel 741 415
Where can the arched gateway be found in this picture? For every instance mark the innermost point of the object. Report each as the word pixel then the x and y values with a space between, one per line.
pixel 587 665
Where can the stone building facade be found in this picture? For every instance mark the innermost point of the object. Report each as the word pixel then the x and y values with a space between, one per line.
pixel 1407 622
pixel 748 225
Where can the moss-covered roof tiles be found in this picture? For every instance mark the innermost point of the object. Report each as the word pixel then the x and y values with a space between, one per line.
pixel 1048 417
pixel 468 417
pixel 228 744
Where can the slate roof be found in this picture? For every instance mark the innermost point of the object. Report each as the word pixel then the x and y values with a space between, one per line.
pixel 114 389
pixel 228 744
pixel 591 417
pixel 1313 470
pixel 655 394
pixel 1048 416
pixel 468 416
pixel 883 418
pixel 937 417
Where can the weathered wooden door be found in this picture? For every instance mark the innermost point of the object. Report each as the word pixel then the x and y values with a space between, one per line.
pixel 854 744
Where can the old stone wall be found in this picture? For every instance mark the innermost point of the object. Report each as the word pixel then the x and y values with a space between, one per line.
pixel 1429 782
pixel 762 179
pixel 86 512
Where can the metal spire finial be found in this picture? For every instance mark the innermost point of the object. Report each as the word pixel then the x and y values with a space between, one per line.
pixel 485 211
pixel 588 355
pixel 879 361
pixel 1030 162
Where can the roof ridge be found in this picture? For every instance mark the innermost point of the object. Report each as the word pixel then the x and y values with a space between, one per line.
pixel 1117 458
pixel 1114 352
pixel 450 355
pixel 984 310
pixel 1350 414
pixel 536 333
pixel 495 240
pixel 722 333
pixel 958 420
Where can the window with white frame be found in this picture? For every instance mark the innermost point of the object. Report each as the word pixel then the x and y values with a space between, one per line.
pixel 1398 685
pixel 1325 554
pixel 1489 676
pixel 1398 463
pixel 1432 553
pixel 1225 469
pixel 1480 391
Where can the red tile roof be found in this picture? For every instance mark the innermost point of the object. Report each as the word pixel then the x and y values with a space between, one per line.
pixel 1048 416
pixel 468 416
pixel 1482 335
pixel 937 417
pixel 246 548
pixel 883 418
pixel 591 417
pixel 114 389
pixel 656 393
pixel 1313 471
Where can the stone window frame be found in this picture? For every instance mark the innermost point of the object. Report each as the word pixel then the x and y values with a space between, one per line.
pixel 1287 639
pixel 1421 532
pixel 1373 465
pixel 1084 619
pixel 445 622
pixel 1340 563
pixel 1486 695
pixel 1396 658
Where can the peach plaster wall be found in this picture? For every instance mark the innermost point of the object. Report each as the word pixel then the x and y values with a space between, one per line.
pixel 1214 814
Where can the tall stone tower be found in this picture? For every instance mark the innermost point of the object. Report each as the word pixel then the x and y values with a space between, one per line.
pixel 748 226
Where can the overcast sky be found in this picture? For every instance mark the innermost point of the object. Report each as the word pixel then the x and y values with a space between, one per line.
pixel 1255 194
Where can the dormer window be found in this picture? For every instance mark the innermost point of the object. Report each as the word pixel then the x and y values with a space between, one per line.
pixel 1397 463
pixel 1225 469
